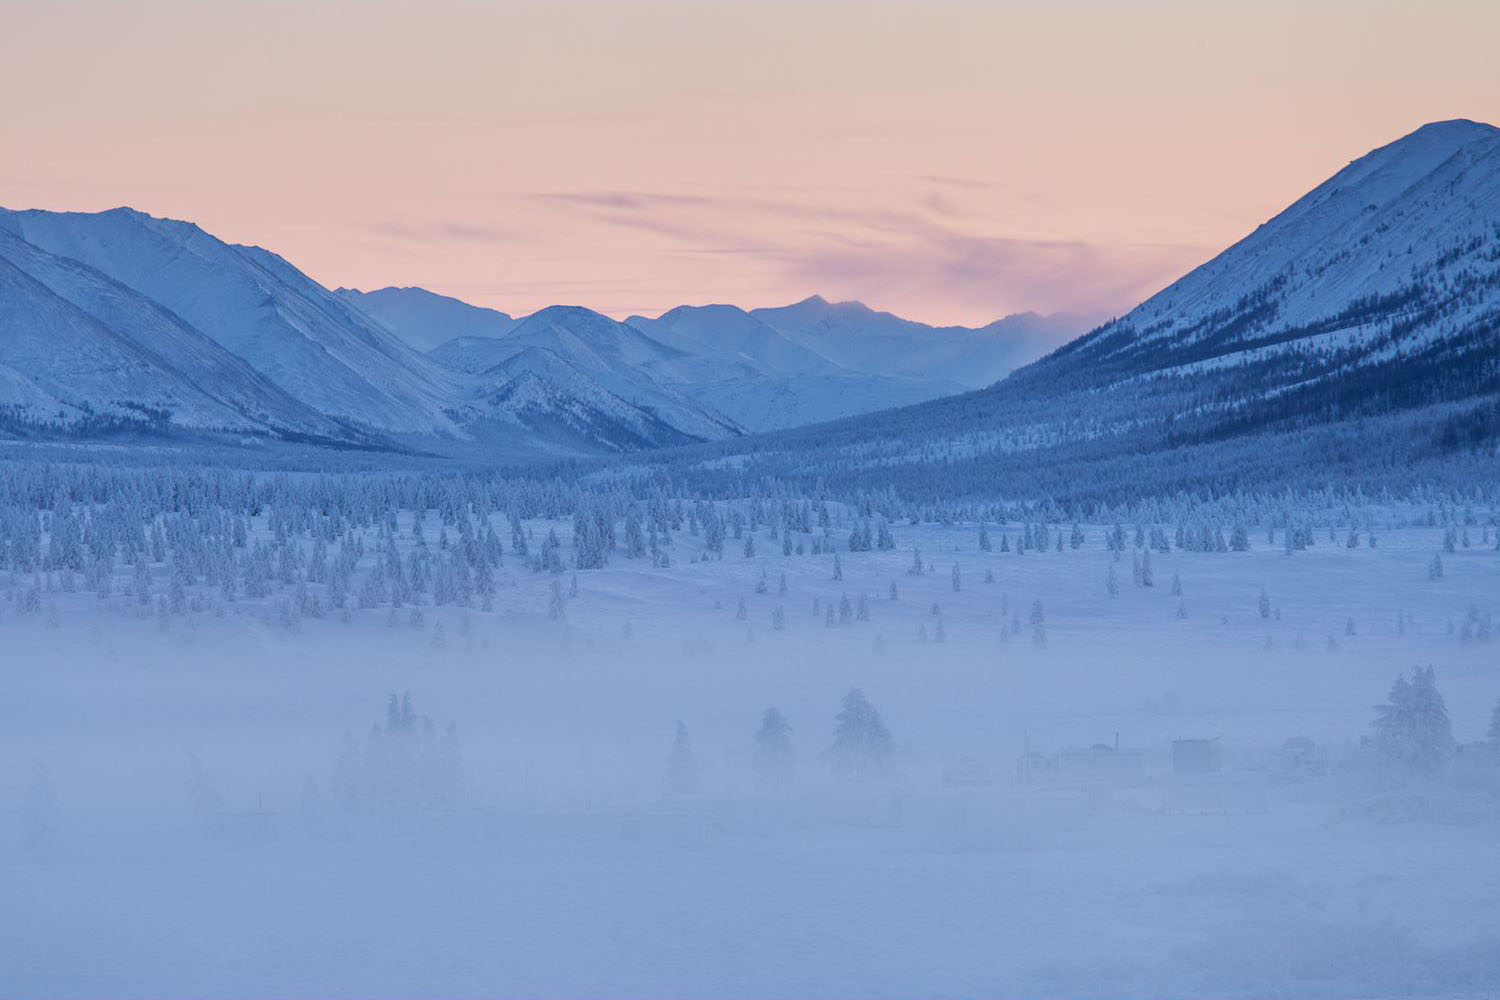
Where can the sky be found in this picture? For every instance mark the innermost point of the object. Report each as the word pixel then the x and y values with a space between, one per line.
pixel 952 162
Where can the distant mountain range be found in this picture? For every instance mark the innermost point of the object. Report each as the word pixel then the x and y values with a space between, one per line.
pixel 1358 330
pixel 119 321
pixel 1360 326
pixel 764 369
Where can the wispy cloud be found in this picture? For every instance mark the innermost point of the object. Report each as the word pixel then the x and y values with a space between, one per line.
pixel 925 253
pixel 443 231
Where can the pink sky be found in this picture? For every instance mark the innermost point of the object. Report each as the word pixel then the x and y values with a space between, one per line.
pixel 952 162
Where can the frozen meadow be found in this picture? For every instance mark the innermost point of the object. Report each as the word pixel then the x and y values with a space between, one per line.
pixel 1092 786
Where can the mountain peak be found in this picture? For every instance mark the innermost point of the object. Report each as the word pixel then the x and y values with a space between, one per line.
pixel 1423 149
pixel 1463 128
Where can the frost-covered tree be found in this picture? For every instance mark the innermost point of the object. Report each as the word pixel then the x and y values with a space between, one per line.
pixel 1412 731
pixel 863 749
pixel 775 761
pixel 682 766
pixel 1265 604
pixel 1111 583
pixel 958 581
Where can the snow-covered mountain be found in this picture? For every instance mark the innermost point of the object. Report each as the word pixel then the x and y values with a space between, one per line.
pixel 734 335
pixel 735 363
pixel 303 338
pixel 622 360
pixel 1378 290
pixel 860 339
pixel 1357 330
pixel 553 400
pixel 76 346
pixel 426 319
pixel 1375 297
pixel 765 380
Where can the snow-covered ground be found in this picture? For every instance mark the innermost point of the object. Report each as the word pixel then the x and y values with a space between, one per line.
pixel 199 844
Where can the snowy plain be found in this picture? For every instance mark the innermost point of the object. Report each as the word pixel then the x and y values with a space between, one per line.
pixel 565 869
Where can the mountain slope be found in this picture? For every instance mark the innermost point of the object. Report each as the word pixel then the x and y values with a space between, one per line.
pixel 424 319
pixel 91 346
pixel 859 338
pixel 620 358
pixel 1357 333
pixel 765 380
pixel 550 398
pixel 303 338
pixel 1376 290
pixel 731 333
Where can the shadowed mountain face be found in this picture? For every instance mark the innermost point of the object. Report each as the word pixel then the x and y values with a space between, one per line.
pixel 1359 326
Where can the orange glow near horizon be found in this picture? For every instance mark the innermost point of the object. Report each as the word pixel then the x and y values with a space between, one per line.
pixel 951 162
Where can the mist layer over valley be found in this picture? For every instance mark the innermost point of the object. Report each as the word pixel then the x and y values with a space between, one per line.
pixel 1004 757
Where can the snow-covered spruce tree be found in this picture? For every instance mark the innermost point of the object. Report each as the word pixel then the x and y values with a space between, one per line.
pixel 1111 583
pixel 682 766
pixel 862 746
pixel 984 539
pixel 958 582
pixel 1265 604
pixel 775 761
pixel 1412 731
